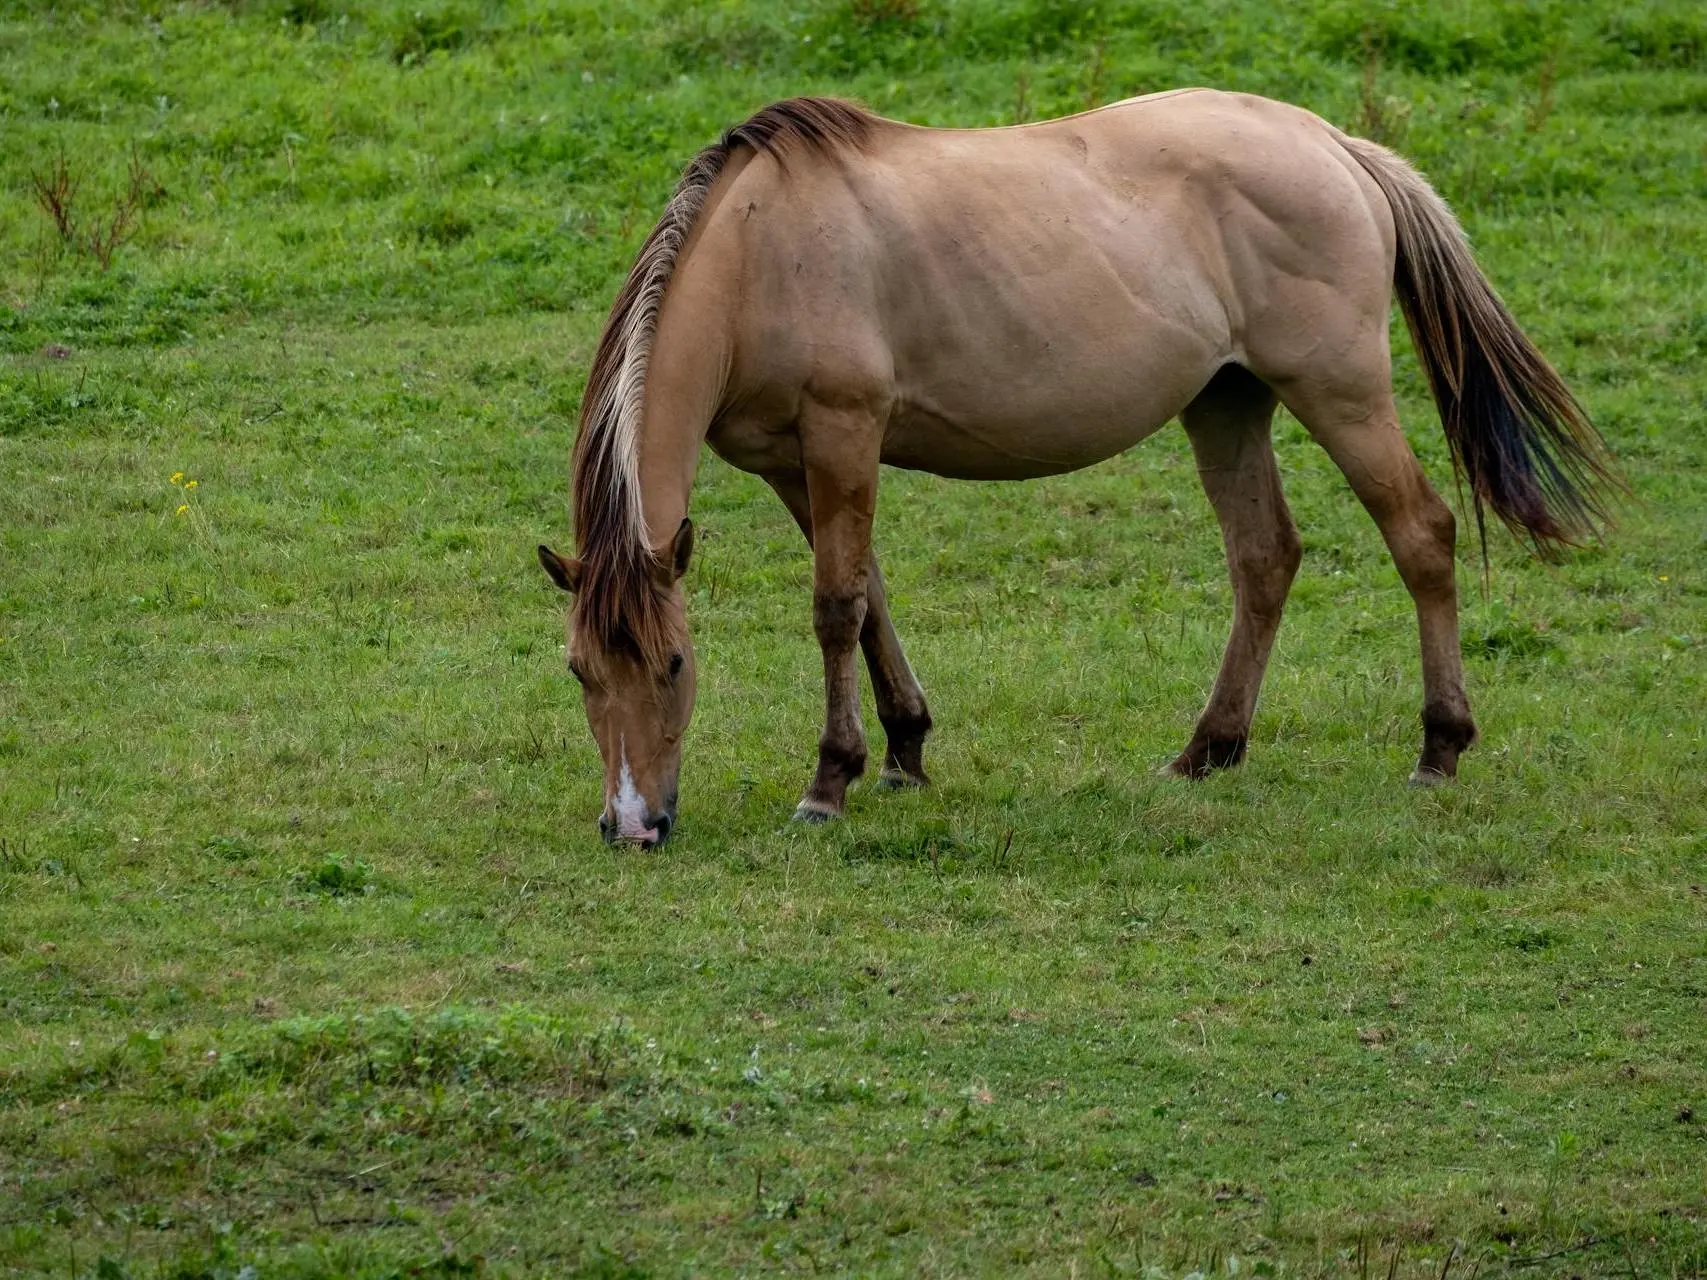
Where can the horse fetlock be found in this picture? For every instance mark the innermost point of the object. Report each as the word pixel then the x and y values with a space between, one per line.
pixel 1454 725
pixel 844 759
pixel 839 764
pixel 904 763
pixel 915 723
pixel 1446 736
pixel 905 722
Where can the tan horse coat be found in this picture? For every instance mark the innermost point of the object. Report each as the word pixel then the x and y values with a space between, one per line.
pixel 830 291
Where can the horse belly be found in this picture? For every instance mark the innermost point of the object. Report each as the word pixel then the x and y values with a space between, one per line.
pixel 1078 400
pixel 1047 338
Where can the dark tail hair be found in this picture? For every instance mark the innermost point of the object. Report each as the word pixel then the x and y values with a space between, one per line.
pixel 1517 434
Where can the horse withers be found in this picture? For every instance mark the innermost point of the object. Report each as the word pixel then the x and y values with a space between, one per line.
pixel 828 291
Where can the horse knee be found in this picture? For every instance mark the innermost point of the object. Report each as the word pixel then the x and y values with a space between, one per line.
pixel 915 718
pixel 841 753
pixel 837 617
pixel 905 721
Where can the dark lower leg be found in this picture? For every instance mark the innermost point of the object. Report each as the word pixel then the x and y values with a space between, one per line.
pixel 901 705
pixel 1423 550
pixel 1447 734
pixel 900 702
pixel 837 618
pixel 1420 532
pixel 1223 730
pixel 1229 430
pixel 1206 753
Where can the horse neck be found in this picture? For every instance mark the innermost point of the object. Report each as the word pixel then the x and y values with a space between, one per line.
pixel 685 383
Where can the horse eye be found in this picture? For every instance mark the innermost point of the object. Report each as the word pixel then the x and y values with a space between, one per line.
pixel 675 665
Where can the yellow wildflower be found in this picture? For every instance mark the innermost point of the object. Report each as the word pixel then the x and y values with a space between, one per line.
pixel 184 508
pixel 191 484
pixel 177 477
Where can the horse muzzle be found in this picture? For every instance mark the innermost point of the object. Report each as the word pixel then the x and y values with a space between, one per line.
pixel 648 835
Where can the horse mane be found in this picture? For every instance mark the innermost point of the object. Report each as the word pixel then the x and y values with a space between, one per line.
pixel 619 601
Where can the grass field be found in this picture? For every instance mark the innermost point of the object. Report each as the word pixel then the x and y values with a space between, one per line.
pixel 311 963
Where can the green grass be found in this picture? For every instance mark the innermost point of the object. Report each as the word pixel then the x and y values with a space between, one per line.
pixel 311 962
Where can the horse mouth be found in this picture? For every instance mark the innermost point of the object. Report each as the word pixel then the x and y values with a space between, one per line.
pixel 647 837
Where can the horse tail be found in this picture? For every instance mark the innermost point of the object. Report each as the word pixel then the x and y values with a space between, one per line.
pixel 1517 434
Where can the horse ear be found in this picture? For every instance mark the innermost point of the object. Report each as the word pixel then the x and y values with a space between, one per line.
pixel 681 550
pixel 566 573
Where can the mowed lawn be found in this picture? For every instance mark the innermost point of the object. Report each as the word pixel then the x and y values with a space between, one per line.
pixel 311 962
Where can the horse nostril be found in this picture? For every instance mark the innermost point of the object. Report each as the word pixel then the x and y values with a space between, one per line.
pixel 662 823
pixel 607 829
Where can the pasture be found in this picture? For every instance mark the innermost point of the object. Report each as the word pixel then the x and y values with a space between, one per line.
pixel 311 961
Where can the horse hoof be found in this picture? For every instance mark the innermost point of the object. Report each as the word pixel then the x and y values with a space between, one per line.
pixel 1182 768
pixel 812 813
pixel 1428 779
pixel 898 780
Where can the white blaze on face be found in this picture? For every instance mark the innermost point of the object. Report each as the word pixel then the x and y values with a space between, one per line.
pixel 628 804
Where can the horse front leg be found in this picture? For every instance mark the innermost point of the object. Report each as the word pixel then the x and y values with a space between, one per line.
pixel 839 447
pixel 901 707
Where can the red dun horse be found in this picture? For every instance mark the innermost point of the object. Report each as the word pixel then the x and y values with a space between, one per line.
pixel 828 291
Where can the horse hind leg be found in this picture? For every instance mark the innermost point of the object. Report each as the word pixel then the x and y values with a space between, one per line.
pixel 1350 413
pixel 1229 425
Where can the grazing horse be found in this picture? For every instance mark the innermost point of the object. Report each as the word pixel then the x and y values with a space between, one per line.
pixel 828 290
